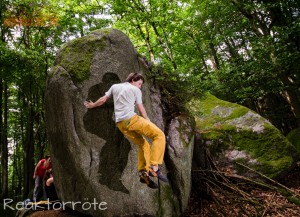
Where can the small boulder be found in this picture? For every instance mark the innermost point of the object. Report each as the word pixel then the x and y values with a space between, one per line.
pixel 236 136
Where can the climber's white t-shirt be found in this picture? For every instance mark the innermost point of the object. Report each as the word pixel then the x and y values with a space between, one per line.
pixel 125 96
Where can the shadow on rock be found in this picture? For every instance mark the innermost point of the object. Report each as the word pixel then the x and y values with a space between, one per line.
pixel 99 121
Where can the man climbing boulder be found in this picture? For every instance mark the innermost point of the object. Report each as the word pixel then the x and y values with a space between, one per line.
pixel 126 96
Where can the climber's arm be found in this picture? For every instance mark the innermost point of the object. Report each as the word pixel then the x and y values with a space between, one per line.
pixel 99 102
pixel 142 111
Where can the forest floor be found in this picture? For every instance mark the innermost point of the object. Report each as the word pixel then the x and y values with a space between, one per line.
pixel 251 200
pixel 266 202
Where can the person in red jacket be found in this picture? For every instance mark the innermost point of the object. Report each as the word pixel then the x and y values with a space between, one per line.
pixel 39 172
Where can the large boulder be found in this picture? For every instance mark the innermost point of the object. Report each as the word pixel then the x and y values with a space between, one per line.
pixel 237 138
pixel 92 161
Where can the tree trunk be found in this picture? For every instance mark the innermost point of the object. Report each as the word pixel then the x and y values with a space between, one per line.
pixel 1 123
pixel 200 51
pixel 13 179
pixel 292 97
pixel 40 135
pixel 18 171
pixel 29 154
pixel 146 38
pixel 164 45
pixel 216 64
pixel 4 154
pixel 1 92
pixel 275 108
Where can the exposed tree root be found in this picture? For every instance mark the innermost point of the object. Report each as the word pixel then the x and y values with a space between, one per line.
pixel 221 194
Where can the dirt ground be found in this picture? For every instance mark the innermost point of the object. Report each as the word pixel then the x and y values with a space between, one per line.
pixel 266 202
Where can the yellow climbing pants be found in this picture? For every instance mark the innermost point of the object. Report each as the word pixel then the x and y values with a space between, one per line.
pixel 135 129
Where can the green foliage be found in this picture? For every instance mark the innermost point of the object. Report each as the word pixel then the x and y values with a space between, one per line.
pixel 242 51
pixel 176 90
pixel 31 33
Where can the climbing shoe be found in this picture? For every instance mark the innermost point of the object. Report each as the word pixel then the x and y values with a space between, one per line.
pixel 144 178
pixel 158 174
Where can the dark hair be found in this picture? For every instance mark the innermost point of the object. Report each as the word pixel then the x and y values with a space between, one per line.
pixel 135 77
pixel 47 156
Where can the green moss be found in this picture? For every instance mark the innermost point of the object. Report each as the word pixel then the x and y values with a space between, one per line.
pixel 208 102
pixel 185 144
pixel 273 168
pixel 213 135
pixel 269 149
pixel 166 194
pixel 284 192
pixel 76 56
pixel 294 200
pixel 216 121
pixel 56 70
pixel 204 108
pixel 185 122
pixel 294 138
pixel 106 31
pixel 240 168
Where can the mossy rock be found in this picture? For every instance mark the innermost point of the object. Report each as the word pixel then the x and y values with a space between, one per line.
pixel 236 135
pixel 76 56
pixel 294 138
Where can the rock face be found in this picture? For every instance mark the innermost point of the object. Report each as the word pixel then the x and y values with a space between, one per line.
pixel 92 160
pixel 234 134
pixel 180 151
